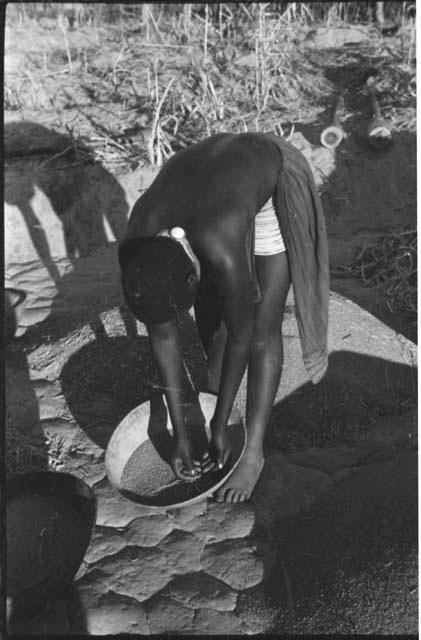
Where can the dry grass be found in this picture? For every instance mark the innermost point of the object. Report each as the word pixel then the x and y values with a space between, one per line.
pixel 390 265
pixel 24 452
pixel 139 82
pixel 27 452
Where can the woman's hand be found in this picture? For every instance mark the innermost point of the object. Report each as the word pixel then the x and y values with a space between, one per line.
pixel 219 450
pixel 182 463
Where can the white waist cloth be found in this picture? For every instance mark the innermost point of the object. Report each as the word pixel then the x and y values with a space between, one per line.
pixel 268 238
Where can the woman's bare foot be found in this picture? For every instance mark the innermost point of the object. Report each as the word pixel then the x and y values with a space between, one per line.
pixel 242 481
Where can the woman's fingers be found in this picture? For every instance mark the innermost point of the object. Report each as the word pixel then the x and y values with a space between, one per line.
pixel 193 472
pixel 207 463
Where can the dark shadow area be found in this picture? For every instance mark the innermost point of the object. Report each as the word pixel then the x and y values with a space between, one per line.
pixel 64 174
pixel 371 193
pixel 62 618
pixel 50 520
pixel 357 391
pixel 335 561
pixel 349 563
pixel 22 411
pixel 82 195
pixel 104 380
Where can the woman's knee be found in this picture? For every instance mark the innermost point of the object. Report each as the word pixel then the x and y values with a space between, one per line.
pixel 266 338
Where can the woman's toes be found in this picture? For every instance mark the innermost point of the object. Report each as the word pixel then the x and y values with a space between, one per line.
pixel 220 495
pixel 228 496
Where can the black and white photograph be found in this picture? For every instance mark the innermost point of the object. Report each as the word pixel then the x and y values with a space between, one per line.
pixel 210 319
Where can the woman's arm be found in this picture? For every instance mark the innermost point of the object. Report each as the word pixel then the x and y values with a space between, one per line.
pixel 236 286
pixel 166 348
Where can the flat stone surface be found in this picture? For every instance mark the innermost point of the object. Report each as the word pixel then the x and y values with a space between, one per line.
pixel 183 552
pixel 182 517
pixel 234 562
pixel 168 616
pixel 106 541
pixel 101 612
pixel 113 509
pixel 136 572
pixel 211 622
pixel 222 521
pixel 148 531
pixel 114 614
pixel 199 590
pixel 83 466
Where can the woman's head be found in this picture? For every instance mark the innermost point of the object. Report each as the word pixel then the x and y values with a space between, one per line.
pixel 159 277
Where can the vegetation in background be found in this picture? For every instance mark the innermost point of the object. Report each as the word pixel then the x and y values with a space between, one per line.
pixel 173 73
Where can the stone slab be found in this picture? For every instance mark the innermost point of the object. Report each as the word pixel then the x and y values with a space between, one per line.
pixel 136 572
pixel 221 522
pixel 113 509
pixel 183 552
pixel 199 590
pixel 106 541
pixel 98 611
pixel 209 622
pixel 167 616
pixel 148 531
pixel 234 562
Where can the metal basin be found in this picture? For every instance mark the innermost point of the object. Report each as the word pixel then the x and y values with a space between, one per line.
pixel 138 454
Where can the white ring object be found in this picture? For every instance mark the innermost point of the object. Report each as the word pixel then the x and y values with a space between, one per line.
pixel 178 233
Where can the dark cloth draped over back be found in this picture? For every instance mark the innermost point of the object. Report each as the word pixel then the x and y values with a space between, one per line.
pixel 300 214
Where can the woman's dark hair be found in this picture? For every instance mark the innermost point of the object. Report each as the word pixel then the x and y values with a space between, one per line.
pixel 156 276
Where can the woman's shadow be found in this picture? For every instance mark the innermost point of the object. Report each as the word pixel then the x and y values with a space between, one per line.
pixel 109 377
pixel 83 195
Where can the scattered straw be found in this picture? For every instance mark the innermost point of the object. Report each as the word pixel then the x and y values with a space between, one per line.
pixel 24 452
pixel 390 265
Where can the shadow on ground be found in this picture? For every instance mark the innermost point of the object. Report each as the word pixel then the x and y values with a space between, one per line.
pixel 357 391
pixel 370 193
pixel 349 563
pixel 329 573
pixel 110 376
pixel 63 196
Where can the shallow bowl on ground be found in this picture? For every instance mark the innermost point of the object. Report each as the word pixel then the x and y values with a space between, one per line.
pixel 138 455
pixel 50 517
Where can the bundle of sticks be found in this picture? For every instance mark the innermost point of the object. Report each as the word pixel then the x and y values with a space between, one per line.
pixel 391 265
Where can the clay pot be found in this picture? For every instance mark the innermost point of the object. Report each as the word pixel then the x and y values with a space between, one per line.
pixel 332 136
pixel 50 517
pixel 379 134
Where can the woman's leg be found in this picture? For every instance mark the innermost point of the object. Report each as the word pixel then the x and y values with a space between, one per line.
pixel 264 373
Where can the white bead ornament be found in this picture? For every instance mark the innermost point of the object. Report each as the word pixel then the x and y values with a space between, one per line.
pixel 178 233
